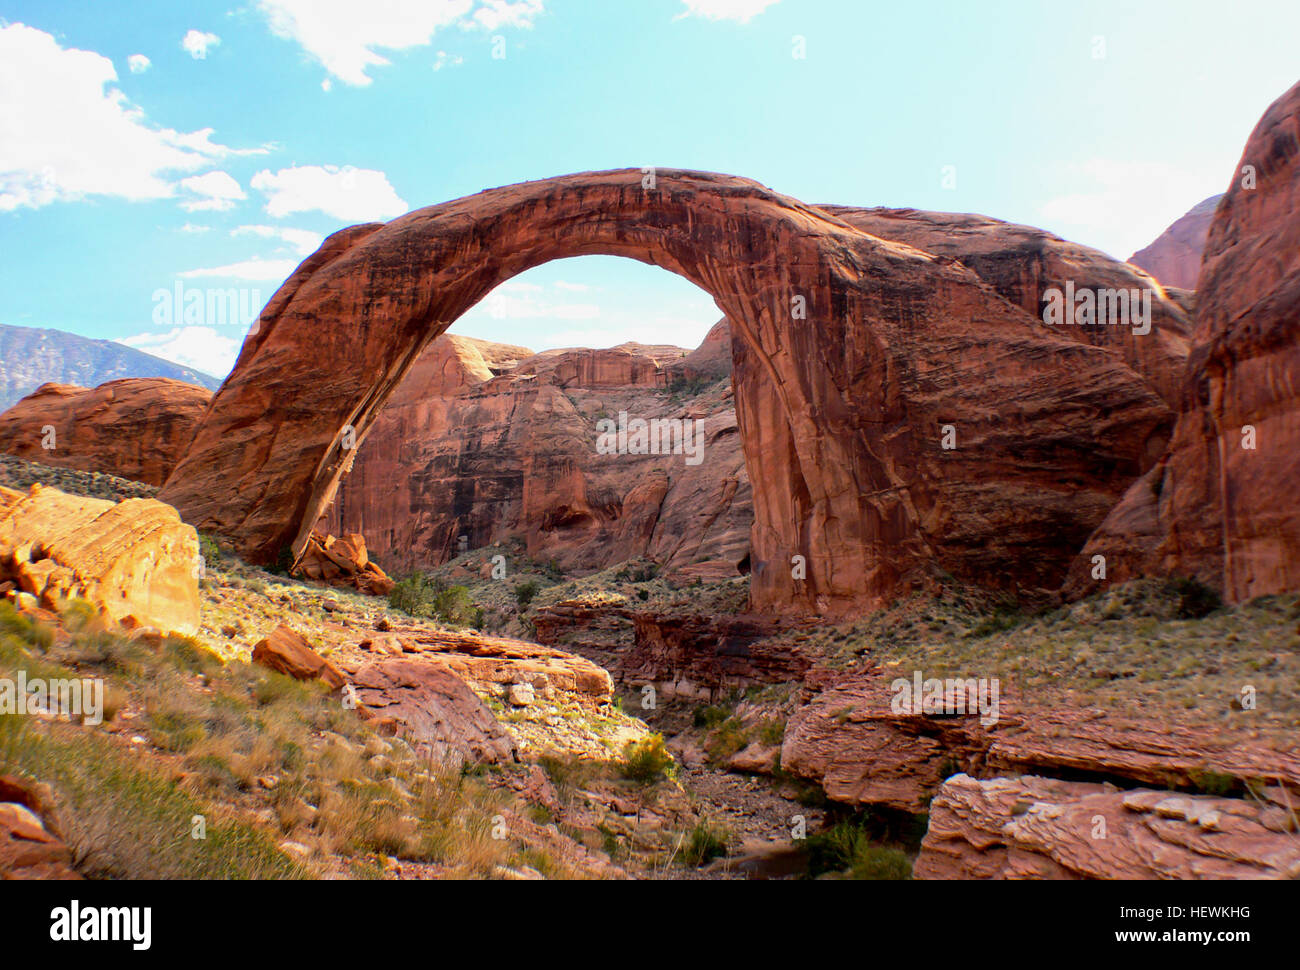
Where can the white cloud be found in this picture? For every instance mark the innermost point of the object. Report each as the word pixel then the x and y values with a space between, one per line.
pixel 346 36
pixel 519 300
pixel 447 60
pixel 74 135
pixel 202 348
pixel 739 10
pixel 304 241
pixel 572 287
pixel 213 191
pixel 1119 207
pixel 254 270
pixel 196 43
pixel 192 228
pixel 138 63
pixel 495 14
pixel 347 193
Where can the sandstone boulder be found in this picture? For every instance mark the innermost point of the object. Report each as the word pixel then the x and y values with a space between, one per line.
pixel 288 652
pixel 134 561
pixel 136 428
pixel 434 708
pixel 30 844
pixel 342 561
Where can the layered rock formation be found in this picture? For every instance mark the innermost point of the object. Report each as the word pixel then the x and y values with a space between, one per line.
pixel 873 351
pixel 504 450
pixel 851 740
pixel 134 561
pixel 1219 506
pixel 1022 263
pixel 1040 828
pixel 1174 257
pixel 136 428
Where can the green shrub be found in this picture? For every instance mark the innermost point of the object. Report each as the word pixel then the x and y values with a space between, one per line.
pixel 647 760
pixel 1195 599
pixel 430 597
pixel 526 591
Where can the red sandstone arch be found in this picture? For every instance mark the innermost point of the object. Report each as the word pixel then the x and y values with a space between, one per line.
pixel 841 412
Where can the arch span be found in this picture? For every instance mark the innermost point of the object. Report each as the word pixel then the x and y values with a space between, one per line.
pixel 853 354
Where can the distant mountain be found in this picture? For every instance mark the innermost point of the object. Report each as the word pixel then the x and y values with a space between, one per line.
pixel 1175 256
pixel 31 356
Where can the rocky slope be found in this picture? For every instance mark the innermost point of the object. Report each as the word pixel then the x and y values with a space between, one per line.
pixel 136 428
pixel 31 356
pixel 1174 257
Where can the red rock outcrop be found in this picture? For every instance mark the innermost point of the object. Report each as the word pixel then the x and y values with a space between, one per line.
pixel 342 562
pixel 287 652
pixel 1041 828
pixel 487 662
pixel 435 709
pixel 1219 506
pixel 1174 257
pixel 133 561
pixel 506 451
pixel 850 740
pixel 136 428
pixel 871 348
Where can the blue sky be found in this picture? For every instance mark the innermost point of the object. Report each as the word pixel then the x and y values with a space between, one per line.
pixel 212 145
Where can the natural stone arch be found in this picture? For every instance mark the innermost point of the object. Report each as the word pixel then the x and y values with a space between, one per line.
pixel 844 406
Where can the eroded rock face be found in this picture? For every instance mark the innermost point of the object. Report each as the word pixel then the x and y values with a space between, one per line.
pixel 1041 828
pixel 1022 263
pixel 848 737
pixel 134 561
pixel 870 348
pixel 1174 258
pixel 1215 508
pixel 507 450
pixel 136 428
